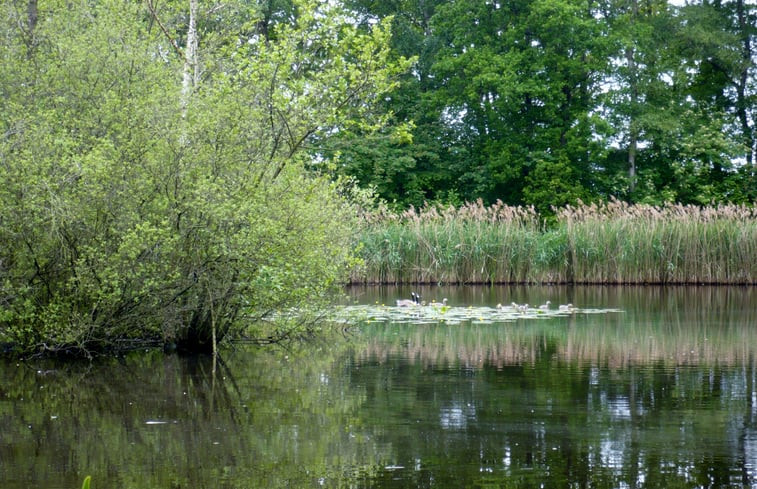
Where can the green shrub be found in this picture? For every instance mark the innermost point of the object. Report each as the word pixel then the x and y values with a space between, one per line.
pixel 134 210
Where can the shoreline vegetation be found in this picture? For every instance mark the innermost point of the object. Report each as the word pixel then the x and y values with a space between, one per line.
pixel 157 196
pixel 196 183
pixel 600 243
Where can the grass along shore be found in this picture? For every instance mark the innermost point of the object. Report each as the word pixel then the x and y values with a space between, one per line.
pixel 609 243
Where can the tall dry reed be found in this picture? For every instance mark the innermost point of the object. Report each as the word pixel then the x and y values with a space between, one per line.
pixel 612 242
pixel 616 242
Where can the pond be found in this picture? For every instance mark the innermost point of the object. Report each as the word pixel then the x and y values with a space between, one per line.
pixel 638 387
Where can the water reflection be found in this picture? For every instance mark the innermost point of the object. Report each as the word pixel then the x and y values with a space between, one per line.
pixel 678 325
pixel 257 419
pixel 662 395
pixel 632 427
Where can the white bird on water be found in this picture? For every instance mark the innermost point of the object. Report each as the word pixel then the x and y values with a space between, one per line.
pixel 521 308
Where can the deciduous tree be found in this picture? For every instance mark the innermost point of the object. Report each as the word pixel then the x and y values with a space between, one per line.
pixel 156 186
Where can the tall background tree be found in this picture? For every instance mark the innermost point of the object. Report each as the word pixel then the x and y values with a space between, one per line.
pixel 409 162
pixel 717 43
pixel 545 102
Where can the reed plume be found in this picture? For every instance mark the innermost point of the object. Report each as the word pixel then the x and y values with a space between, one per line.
pixel 610 243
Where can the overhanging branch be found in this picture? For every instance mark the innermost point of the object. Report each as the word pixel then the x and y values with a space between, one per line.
pixel 171 40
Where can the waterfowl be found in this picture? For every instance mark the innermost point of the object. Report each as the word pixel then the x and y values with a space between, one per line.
pixel 523 308
pixel 415 301
pixel 545 306
pixel 443 303
pixel 566 308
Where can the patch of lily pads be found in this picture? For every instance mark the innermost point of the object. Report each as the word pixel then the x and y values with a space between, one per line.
pixel 446 314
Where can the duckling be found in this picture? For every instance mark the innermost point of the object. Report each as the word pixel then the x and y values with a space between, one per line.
pixel 443 303
pixel 522 308
pixel 545 306
pixel 566 308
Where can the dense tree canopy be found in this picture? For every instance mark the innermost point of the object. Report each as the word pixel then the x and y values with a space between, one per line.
pixel 545 102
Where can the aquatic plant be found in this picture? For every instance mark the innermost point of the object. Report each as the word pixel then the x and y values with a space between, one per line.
pixel 471 243
pixel 615 242
pixel 455 315
pixel 612 242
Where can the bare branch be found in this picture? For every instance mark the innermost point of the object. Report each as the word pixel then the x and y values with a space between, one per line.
pixel 171 40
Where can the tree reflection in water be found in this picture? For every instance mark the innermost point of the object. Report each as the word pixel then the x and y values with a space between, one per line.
pixel 661 395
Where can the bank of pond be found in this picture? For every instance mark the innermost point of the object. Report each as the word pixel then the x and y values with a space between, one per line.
pixel 186 299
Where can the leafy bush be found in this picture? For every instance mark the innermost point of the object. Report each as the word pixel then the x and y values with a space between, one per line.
pixel 133 211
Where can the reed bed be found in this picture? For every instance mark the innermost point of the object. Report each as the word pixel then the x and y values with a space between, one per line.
pixel 608 243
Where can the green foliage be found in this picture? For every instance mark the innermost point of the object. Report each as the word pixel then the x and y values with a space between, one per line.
pixel 87 480
pixel 550 185
pixel 540 102
pixel 132 215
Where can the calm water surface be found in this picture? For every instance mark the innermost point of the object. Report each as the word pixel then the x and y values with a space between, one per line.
pixel 660 395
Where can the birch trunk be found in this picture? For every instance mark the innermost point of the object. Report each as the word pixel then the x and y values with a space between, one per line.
pixel 191 66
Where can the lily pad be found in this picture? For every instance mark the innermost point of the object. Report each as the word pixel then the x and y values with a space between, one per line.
pixel 423 315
